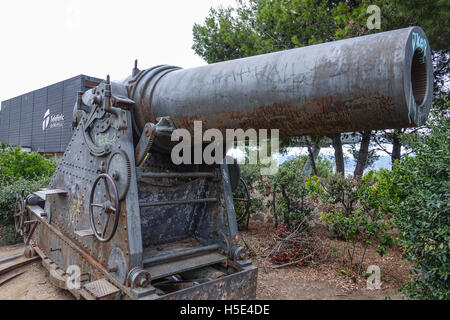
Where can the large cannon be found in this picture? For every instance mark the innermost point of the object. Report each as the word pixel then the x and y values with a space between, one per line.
pixel 124 220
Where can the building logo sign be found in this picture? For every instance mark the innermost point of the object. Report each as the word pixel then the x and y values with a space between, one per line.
pixel 52 121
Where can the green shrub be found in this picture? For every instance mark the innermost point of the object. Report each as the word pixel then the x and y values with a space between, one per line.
pixel 287 186
pixel 353 212
pixel 19 171
pixel 420 203
pixel 324 167
pixel 16 164
pixel 8 235
pixel 8 195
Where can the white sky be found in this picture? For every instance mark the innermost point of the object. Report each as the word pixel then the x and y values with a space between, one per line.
pixel 47 41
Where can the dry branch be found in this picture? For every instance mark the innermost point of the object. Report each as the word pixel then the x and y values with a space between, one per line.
pixel 291 246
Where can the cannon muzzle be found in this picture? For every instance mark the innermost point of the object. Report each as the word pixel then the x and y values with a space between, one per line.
pixel 379 81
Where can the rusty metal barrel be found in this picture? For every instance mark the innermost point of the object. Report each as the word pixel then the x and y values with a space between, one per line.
pixel 378 81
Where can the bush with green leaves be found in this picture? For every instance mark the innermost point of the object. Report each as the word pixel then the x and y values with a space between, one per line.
pixel 352 211
pixel 324 167
pixel 16 164
pixel 289 194
pixel 419 188
pixel 20 171
pixel 286 186
pixel 8 194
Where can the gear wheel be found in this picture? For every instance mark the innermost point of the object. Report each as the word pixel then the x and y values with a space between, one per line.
pixel 119 168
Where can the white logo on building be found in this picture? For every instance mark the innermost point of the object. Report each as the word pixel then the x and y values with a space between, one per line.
pixel 46 121
pixel 52 121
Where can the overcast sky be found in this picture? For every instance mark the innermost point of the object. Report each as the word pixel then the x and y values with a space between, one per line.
pixel 46 41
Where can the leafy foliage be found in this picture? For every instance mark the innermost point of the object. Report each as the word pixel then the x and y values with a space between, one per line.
pixel 16 164
pixel 8 194
pixel 262 26
pixel 9 235
pixel 20 171
pixel 289 191
pixel 353 212
pixel 419 188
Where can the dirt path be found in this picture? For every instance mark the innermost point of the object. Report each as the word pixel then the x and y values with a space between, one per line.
pixel 293 284
pixel 322 282
pixel 33 284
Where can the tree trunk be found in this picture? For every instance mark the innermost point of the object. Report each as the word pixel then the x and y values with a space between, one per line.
pixel 396 147
pixel 362 154
pixel 312 160
pixel 338 153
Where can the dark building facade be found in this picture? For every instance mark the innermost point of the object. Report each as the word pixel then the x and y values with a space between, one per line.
pixel 41 120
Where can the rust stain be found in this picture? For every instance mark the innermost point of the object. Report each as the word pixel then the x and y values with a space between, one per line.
pixel 320 116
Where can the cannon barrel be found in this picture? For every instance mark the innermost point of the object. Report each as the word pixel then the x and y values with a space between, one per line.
pixel 379 81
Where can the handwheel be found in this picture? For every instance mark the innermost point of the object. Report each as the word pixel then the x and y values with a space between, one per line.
pixel 110 208
pixel 19 214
